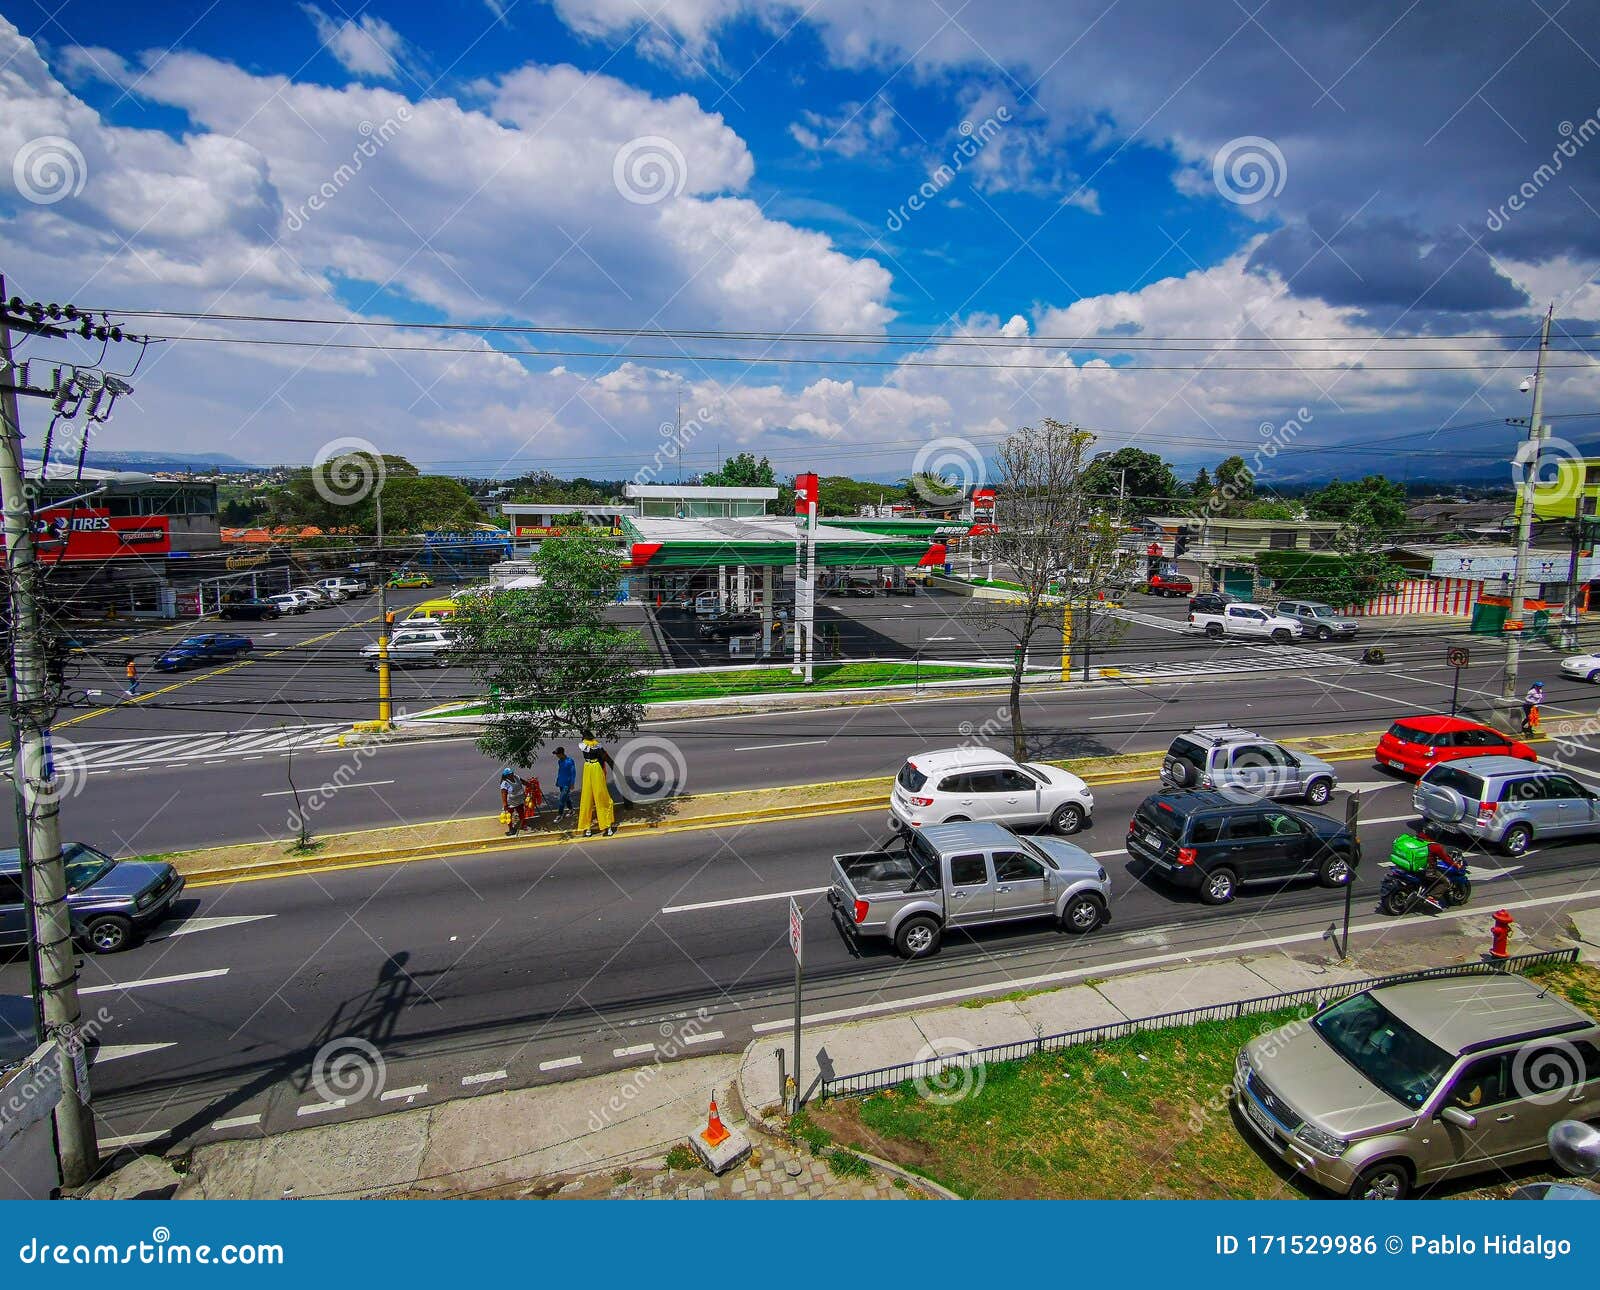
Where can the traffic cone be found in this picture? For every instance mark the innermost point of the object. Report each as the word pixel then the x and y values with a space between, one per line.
pixel 716 1132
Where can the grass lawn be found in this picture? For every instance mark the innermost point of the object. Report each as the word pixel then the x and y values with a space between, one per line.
pixel 829 676
pixel 1145 1116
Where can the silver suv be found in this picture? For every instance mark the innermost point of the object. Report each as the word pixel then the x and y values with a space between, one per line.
pixel 1243 765
pixel 1322 621
pixel 1506 802
pixel 1400 1086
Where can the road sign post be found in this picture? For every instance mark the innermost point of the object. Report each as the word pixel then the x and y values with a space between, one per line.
pixel 1457 657
pixel 797 927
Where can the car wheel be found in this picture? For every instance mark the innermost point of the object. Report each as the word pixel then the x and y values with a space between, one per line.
pixel 1517 839
pixel 1335 871
pixel 1219 887
pixel 1282 635
pixel 1324 633
pixel 1594 676
pixel 917 938
pixel 1318 791
pixel 1214 630
pixel 1068 818
pixel 1386 1180
pixel 1083 913
pixel 109 934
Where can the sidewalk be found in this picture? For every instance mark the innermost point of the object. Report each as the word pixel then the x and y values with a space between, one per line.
pixel 623 1134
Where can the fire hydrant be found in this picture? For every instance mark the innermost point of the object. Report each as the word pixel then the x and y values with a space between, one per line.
pixel 1500 934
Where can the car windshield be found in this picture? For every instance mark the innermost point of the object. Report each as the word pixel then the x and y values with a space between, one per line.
pixel 1162 819
pixel 1447 776
pixel 193 640
pixel 85 865
pixel 1319 611
pixel 910 778
pixel 1384 1049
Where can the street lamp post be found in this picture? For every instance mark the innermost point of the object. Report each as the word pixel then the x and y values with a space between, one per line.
pixel 1536 436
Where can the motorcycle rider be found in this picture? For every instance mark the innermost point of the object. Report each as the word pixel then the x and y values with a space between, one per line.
pixel 1442 869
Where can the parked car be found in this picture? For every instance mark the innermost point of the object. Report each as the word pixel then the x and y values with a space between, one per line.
pixel 1237 761
pixel 1321 621
pixel 1169 584
pixel 722 626
pixel 257 610
pixel 949 785
pixel 862 587
pixel 319 597
pixel 1586 667
pixel 1506 802
pixel 963 876
pixel 414 647
pixel 344 588
pixel 1211 602
pixel 1400 1086
pixel 403 580
pixel 1412 745
pixel 1243 619
pixel 1201 841
pixel 193 651
pixel 329 591
pixel 109 901
pixel 290 604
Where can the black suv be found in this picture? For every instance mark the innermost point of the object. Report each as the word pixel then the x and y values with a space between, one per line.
pixel 725 625
pixel 1204 842
pixel 1210 602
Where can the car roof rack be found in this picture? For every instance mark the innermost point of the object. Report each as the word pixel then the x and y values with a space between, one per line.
pixel 1222 733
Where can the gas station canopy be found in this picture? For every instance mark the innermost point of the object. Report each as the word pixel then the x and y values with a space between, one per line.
pixel 661 543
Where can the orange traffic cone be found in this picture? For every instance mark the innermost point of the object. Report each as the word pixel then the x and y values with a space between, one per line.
pixel 716 1132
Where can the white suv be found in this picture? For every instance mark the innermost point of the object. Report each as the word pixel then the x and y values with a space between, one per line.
pixel 420 647
pixel 951 784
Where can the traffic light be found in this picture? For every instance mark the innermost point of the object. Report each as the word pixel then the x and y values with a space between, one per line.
pixel 1180 542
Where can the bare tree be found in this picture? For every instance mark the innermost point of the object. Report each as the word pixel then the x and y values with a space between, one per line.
pixel 1051 532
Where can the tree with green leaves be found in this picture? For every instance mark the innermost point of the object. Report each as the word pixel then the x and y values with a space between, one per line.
pixel 549 661
pixel 340 496
pixel 742 471
pixel 1200 488
pixel 1372 503
pixel 1142 480
pixel 1235 487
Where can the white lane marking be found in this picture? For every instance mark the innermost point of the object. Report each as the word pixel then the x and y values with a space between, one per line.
pixel 395 1094
pixel 138 983
pixel 237 1122
pixel 1117 716
pixel 799 743
pixel 637 1050
pixel 132 1139
pixel 560 1063
pixel 741 900
pixel 931 639
pixel 317 1108
pixel 1100 855
pixel 483 1077
pixel 1228 950
pixel 115 1052
pixel 328 788
pixel 191 925
pixel 705 1037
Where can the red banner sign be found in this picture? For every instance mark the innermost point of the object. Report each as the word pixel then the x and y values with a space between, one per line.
pixel 805 493
pixel 93 534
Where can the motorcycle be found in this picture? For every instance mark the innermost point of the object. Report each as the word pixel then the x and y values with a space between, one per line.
pixel 1438 884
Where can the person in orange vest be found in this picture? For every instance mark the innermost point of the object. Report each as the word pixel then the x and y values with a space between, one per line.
pixel 133 677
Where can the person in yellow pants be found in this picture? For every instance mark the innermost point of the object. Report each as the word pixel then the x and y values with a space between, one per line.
pixel 594 800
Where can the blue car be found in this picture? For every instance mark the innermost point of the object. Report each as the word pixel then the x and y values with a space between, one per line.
pixel 109 901
pixel 193 651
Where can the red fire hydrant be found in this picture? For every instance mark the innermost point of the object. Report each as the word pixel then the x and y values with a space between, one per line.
pixel 1500 934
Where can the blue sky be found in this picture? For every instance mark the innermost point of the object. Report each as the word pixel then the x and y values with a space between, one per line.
pixel 1087 193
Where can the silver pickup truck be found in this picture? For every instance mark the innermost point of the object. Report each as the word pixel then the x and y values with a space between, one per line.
pixel 965 875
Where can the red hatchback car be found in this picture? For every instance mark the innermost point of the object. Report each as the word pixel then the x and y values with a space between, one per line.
pixel 1170 584
pixel 1413 745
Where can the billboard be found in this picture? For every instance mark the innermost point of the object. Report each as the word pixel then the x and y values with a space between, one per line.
pixel 92 533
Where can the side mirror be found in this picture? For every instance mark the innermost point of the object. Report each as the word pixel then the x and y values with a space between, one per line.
pixel 1456 1116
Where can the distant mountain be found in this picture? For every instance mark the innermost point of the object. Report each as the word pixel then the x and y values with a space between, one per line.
pixel 149 461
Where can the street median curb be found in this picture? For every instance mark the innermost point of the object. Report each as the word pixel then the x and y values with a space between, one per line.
pixel 233 863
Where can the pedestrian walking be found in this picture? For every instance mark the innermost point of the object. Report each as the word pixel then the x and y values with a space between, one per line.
pixel 1530 708
pixel 566 781
pixel 513 797
pixel 132 671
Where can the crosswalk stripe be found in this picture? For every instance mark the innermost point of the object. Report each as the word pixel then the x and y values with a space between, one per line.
pixel 166 749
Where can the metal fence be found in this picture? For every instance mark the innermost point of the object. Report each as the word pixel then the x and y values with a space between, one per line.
pixel 1310 1000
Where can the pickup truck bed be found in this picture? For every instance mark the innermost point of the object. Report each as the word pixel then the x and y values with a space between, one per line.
pixel 884 873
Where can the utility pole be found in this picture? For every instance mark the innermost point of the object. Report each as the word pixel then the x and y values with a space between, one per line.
pixel 54 956
pixel 1530 476
pixel 385 696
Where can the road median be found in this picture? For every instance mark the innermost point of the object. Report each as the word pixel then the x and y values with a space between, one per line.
pixel 476 835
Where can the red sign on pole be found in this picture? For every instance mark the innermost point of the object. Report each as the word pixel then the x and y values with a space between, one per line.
pixel 805 493
pixel 83 533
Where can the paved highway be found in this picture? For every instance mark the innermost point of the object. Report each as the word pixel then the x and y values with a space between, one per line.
pixel 492 971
